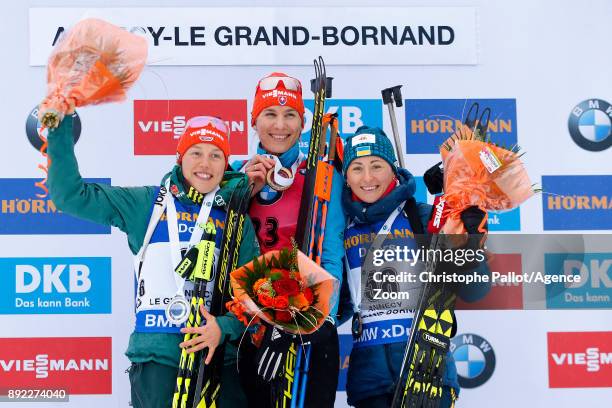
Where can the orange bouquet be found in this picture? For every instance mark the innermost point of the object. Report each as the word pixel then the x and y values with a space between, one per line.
pixel 286 289
pixel 96 62
pixel 480 173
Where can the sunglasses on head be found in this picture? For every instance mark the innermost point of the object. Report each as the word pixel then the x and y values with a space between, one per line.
pixel 201 121
pixel 270 83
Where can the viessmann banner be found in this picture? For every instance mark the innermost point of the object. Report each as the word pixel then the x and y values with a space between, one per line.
pixel 280 35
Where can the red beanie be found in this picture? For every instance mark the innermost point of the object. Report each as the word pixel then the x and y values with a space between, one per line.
pixel 204 129
pixel 277 89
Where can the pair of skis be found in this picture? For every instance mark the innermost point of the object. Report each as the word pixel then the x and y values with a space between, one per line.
pixel 290 389
pixel 425 356
pixel 197 384
pixel 427 347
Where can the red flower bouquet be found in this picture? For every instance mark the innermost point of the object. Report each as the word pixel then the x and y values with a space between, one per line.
pixel 286 289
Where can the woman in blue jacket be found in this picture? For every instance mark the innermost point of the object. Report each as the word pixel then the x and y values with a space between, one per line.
pixel 375 201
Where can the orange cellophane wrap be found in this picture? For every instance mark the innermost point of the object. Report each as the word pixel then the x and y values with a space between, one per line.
pixel 321 282
pixel 467 182
pixel 96 62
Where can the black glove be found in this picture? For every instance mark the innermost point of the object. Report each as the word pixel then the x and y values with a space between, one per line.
pixel 321 334
pixel 275 345
pixel 472 217
pixel 271 354
pixel 434 179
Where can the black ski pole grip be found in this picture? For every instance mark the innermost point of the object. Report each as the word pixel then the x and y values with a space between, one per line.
pixel 328 86
pixel 393 94
pixel 472 115
pixel 397 94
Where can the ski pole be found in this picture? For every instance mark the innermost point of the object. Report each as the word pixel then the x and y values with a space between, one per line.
pixel 308 238
pixel 316 205
pixel 322 192
pixel 427 361
pixel 208 382
pixel 202 271
pixel 390 96
pixel 304 378
pixel 297 371
pixel 323 187
pixel 305 218
pixel 326 184
pixel 413 329
pixel 305 214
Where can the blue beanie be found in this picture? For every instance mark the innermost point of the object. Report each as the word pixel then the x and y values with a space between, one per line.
pixel 369 141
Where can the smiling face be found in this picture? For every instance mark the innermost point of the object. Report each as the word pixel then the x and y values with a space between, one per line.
pixel 203 166
pixel 368 178
pixel 278 127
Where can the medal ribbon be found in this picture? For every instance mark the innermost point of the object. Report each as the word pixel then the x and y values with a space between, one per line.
pixel 279 179
pixel 167 204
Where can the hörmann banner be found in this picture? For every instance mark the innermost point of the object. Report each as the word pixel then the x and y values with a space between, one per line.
pixel 22 212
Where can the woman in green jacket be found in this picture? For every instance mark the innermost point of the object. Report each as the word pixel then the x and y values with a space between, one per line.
pixel 197 187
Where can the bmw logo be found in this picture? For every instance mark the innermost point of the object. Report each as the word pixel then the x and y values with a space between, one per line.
pixel 475 359
pixel 590 125
pixel 33 127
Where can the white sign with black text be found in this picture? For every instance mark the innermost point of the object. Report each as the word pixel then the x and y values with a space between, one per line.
pixel 280 35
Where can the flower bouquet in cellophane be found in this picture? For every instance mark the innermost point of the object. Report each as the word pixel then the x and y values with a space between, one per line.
pixel 96 62
pixel 284 288
pixel 480 173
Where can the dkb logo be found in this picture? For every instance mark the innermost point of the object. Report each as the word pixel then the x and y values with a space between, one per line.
pixel 55 285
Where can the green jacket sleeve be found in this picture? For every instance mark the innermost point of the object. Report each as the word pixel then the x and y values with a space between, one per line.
pixel 231 327
pixel 125 208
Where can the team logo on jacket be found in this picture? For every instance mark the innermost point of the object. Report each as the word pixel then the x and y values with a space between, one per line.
pixel 590 125
pixel 475 359
pixel 33 127
pixel 219 201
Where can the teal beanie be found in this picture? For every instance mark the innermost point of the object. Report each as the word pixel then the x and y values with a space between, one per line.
pixel 369 141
